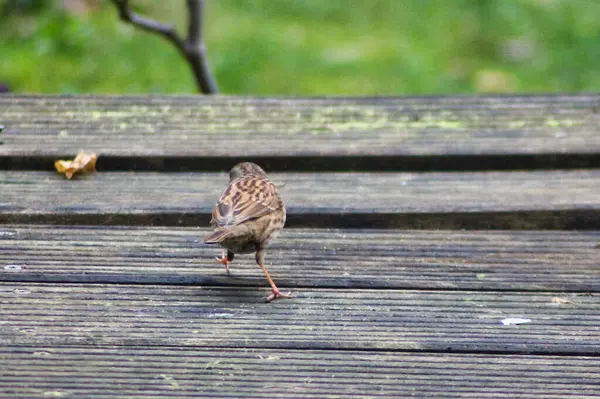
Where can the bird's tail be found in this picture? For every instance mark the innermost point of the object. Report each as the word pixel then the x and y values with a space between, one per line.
pixel 218 235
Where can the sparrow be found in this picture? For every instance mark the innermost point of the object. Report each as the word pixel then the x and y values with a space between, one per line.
pixel 248 215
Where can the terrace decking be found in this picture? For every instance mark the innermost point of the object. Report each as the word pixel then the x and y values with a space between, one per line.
pixel 415 227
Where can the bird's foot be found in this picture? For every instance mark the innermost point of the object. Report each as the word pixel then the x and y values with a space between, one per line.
pixel 276 295
pixel 223 259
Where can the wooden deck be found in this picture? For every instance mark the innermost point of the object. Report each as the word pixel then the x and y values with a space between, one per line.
pixel 415 227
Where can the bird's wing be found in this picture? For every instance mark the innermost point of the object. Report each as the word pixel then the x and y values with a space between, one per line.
pixel 249 197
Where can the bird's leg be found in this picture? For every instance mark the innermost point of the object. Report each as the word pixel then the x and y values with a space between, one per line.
pixel 276 294
pixel 226 259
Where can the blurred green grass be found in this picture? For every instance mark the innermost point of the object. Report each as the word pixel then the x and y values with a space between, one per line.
pixel 312 47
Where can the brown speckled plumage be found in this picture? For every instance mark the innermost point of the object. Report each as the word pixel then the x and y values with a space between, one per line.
pixel 248 215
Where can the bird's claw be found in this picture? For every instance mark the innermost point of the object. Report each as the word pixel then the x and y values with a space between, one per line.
pixel 224 261
pixel 277 295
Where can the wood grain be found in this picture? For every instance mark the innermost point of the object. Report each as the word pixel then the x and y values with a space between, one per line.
pixel 509 200
pixel 480 260
pixel 108 372
pixel 93 311
pixel 210 133
pixel 462 321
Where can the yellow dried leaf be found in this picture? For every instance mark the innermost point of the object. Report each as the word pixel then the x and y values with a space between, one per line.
pixel 82 163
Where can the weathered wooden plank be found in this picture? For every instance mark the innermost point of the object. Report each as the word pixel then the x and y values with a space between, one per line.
pixel 110 372
pixel 209 133
pixel 421 259
pixel 557 199
pixel 461 321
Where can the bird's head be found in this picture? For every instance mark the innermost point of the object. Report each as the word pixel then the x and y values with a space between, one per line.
pixel 246 169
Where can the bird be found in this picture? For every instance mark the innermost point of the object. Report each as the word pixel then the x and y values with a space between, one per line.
pixel 248 215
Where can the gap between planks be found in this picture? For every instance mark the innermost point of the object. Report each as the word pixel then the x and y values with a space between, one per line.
pixel 317 162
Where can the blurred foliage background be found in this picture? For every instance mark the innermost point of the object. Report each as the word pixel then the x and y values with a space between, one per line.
pixel 308 47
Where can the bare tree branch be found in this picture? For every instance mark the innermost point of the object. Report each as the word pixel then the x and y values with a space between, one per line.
pixel 195 49
pixel 196 9
pixel 192 47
